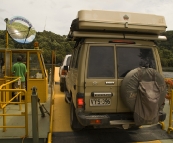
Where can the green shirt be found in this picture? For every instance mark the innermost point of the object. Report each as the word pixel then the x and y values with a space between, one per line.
pixel 19 69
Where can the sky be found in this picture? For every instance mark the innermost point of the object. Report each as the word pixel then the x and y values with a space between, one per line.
pixel 56 15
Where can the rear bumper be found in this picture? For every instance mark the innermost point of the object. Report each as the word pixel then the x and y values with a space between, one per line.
pixel 105 119
pixel 86 119
pixel 110 119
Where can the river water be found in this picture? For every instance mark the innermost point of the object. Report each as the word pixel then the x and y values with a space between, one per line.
pixel 168 74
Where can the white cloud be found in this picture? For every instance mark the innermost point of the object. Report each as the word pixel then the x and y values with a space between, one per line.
pixel 57 15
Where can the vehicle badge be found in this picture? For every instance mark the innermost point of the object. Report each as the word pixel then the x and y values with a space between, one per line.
pixel 126 17
pixel 95 83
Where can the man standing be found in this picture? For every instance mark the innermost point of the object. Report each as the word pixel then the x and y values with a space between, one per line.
pixel 19 70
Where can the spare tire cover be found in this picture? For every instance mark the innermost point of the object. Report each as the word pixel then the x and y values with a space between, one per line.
pixel 130 83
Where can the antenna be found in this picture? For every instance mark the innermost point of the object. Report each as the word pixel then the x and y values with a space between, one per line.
pixel 45 23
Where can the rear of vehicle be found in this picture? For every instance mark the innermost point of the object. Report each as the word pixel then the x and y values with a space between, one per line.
pixel 109 44
pixel 63 72
pixel 96 73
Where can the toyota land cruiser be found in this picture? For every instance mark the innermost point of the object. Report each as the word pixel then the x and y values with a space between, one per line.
pixel 104 53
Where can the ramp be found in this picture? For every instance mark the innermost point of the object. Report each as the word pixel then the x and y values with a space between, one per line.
pixel 113 135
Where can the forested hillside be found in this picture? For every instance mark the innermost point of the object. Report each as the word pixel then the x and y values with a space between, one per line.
pixel 166 50
pixel 49 41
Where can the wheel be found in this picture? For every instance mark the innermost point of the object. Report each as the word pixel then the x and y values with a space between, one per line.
pixel 61 88
pixel 66 100
pixel 67 96
pixel 74 123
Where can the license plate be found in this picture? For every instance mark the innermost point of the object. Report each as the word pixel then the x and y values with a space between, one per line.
pixel 100 101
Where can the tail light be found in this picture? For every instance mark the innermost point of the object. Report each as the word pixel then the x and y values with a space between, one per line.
pixel 96 121
pixel 80 100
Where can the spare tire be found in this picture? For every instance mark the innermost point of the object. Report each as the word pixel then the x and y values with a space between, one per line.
pixel 130 83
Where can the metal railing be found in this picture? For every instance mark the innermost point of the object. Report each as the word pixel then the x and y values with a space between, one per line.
pixel 169 96
pixel 51 106
pixel 170 128
pixel 51 119
pixel 5 100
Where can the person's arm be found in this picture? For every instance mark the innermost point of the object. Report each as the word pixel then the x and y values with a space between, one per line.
pixel 25 71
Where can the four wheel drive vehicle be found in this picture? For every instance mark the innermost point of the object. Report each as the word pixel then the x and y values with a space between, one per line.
pixel 115 75
pixel 63 72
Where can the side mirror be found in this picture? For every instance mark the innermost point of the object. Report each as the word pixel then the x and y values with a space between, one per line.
pixel 66 68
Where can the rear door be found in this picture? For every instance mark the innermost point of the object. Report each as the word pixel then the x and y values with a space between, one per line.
pixel 130 57
pixel 101 79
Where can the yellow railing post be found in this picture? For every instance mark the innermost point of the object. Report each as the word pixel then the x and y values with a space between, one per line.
pixel 6 20
pixel 51 112
pixel 51 118
pixel 20 106
pixel 4 120
pixel 26 115
pixel 0 99
pixel 4 112
pixel 170 128
pixel 4 101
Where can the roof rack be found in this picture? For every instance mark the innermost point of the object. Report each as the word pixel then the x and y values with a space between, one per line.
pixel 83 34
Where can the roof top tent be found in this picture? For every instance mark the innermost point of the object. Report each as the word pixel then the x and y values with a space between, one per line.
pixel 22 31
pixel 115 24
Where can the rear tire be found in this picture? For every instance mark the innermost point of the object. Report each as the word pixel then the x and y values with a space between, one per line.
pixel 74 123
pixel 61 88
pixel 66 100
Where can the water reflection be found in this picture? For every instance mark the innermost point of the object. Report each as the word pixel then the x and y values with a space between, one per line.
pixel 168 74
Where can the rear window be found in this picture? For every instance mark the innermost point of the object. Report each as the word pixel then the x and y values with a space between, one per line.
pixel 101 62
pixel 130 58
